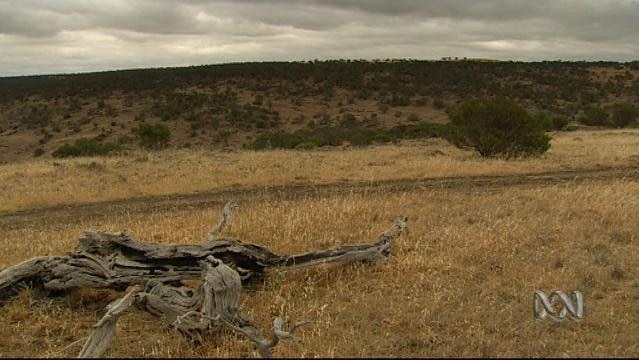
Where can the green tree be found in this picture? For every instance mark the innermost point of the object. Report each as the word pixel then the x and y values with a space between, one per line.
pixel 153 136
pixel 498 126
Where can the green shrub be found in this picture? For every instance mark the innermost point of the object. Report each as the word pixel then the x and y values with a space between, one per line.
pixel 414 117
pixel 38 152
pixel 153 136
pixel 624 115
pixel 360 138
pixel 305 146
pixel 349 121
pixel 124 139
pixel 261 124
pixel 45 139
pixel 355 135
pixel 498 126
pixel 595 116
pixel 438 104
pixel 85 147
pixel 560 122
pixel 382 137
pixel 550 122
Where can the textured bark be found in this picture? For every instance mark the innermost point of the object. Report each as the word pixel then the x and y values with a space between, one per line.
pixel 117 261
pixel 205 310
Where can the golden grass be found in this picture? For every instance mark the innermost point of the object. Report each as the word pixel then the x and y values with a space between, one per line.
pixel 460 284
pixel 48 182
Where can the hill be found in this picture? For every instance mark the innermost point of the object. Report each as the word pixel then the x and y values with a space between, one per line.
pixel 231 105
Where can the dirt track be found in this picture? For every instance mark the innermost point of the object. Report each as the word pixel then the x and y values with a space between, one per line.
pixel 216 198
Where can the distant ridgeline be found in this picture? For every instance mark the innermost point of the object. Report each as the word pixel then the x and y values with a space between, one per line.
pixel 547 84
pixel 297 104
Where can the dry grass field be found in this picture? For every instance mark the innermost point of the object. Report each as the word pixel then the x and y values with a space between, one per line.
pixel 460 284
pixel 50 182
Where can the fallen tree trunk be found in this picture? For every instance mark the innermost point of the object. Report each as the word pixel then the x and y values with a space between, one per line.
pixel 117 261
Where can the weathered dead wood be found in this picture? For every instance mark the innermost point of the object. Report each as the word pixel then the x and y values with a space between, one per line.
pixel 117 261
pixel 230 208
pixel 205 310
pixel 104 331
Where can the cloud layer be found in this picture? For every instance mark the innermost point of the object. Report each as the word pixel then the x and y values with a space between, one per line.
pixel 57 36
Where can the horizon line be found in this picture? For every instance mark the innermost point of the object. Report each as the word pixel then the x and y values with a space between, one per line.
pixel 372 60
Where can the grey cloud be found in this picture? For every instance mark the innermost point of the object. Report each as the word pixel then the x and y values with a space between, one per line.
pixel 38 36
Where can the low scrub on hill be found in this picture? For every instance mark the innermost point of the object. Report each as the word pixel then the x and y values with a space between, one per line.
pixel 85 147
pixel 353 134
pixel 618 115
pixel 153 136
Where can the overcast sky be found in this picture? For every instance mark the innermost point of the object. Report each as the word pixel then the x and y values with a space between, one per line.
pixel 58 36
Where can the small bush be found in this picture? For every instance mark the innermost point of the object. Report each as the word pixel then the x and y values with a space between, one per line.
pixel 550 122
pixel 45 139
pixel 624 115
pixel 124 139
pixel 261 124
pixel 560 122
pixel 305 146
pixel 413 117
pixel 349 121
pixel 382 138
pixel 85 147
pixel 595 116
pixel 38 152
pixel 439 104
pixel 498 126
pixel 153 136
pixel 111 111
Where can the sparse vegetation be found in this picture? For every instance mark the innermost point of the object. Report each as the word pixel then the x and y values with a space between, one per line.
pixel 256 98
pixel 349 131
pixel 153 136
pixel 85 147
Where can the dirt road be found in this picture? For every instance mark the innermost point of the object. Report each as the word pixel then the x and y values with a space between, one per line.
pixel 292 191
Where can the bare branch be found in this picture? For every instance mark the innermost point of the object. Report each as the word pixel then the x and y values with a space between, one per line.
pixel 104 332
pixel 230 208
